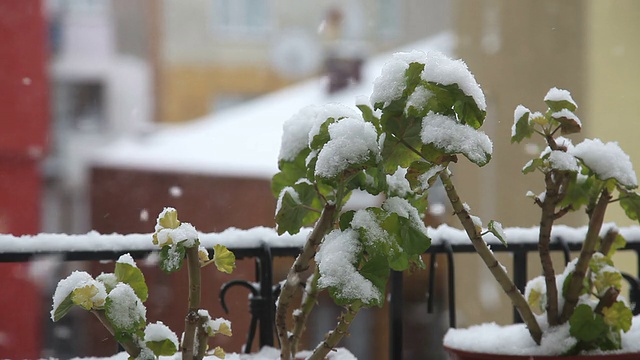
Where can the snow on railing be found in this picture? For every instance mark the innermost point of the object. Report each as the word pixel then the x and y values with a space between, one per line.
pixel 255 237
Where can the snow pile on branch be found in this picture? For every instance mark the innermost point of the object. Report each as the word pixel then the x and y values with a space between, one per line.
pixel 608 161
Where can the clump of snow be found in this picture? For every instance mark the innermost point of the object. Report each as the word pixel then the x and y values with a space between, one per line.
pixel 441 69
pixel 364 219
pixel 126 259
pixel 608 161
pixel 418 98
pixel 336 258
pixel 563 161
pixel 390 84
pixel 490 339
pixel 126 308
pixel 305 124
pixel 438 68
pixel 185 233
pixel 212 326
pixel 446 133
pixel 159 332
pixel 352 141
pixel 555 94
pixel 398 183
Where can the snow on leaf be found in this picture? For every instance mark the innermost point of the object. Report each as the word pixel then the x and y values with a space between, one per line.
pixel 447 134
pixel 125 310
pixel 352 142
pixel 127 272
pixel 336 261
pixel 160 339
pixel 558 99
pixel 607 161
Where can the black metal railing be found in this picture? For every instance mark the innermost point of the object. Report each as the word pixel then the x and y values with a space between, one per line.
pixel 264 290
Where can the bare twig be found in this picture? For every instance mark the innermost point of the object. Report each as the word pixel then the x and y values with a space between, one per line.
pixel 193 318
pixel 588 247
pixel 490 260
pixel 290 287
pixel 337 334
pixel 309 300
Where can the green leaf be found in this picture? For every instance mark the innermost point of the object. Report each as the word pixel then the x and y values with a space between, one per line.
pixel 496 229
pixel 171 257
pixel 164 347
pixel 414 240
pixel 581 191
pixel 585 325
pixel 607 279
pixel 368 115
pixel 63 308
pixel 133 276
pixel 376 270
pixel 345 219
pixel 523 127
pixel 322 137
pixel 618 316
pixel 556 106
pixel 422 175
pixel 224 259
pixel 630 202
pixel 290 173
pixel 436 156
pixel 125 313
pixel 450 99
pixel 294 211
pixel 532 165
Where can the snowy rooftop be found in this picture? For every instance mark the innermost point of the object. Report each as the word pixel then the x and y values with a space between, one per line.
pixel 244 140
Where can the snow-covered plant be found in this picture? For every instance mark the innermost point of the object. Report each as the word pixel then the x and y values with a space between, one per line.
pixel 427 111
pixel 585 176
pixel 117 299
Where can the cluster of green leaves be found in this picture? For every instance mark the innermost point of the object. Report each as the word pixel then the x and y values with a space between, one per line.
pixel 601 328
pixel 398 240
pixel 127 278
pixel 596 322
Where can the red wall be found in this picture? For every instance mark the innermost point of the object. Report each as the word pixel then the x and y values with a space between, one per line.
pixel 24 112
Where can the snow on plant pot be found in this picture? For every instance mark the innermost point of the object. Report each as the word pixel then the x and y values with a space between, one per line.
pixel 117 298
pixel 580 309
pixel 424 103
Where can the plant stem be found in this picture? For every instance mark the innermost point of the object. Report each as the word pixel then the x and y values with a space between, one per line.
pixel 588 247
pixel 490 260
pixel 130 346
pixel 334 336
pixel 544 239
pixel 201 336
pixel 309 300
pixel 192 319
pixel 290 287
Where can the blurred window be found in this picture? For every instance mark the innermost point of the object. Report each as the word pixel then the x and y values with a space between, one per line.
pixel 241 17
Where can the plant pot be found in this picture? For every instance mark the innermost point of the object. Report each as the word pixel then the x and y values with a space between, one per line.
pixel 455 354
